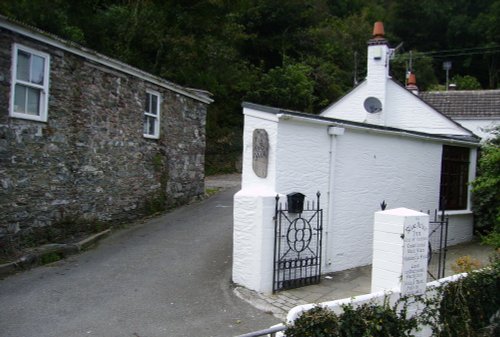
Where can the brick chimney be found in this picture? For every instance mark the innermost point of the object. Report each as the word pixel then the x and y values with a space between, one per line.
pixel 412 84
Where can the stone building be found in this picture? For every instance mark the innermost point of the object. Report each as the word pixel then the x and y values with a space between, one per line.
pixel 88 137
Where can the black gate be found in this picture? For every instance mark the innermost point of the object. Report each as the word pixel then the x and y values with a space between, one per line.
pixel 297 246
pixel 438 243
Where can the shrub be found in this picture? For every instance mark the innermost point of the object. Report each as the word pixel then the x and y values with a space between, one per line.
pixel 368 319
pixel 465 264
pixel 463 308
pixel 468 304
pixel 486 189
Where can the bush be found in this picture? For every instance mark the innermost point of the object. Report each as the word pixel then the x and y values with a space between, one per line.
pixel 365 320
pixel 486 189
pixel 468 304
pixel 463 308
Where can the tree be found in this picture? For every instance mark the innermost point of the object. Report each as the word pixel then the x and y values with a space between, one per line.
pixel 421 66
pixel 466 82
pixel 286 87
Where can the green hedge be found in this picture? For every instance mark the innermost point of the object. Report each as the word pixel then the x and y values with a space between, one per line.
pixel 461 308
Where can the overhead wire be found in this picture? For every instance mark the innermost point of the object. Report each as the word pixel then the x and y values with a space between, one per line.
pixel 454 52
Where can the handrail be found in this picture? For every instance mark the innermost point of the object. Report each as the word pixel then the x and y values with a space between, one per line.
pixel 271 331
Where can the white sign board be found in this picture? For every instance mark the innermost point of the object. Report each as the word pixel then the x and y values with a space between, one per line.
pixel 415 250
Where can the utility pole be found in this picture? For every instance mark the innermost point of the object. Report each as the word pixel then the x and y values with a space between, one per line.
pixel 447 67
pixel 355 68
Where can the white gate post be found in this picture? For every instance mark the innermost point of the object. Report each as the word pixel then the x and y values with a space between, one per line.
pixel 253 239
pixel 400 245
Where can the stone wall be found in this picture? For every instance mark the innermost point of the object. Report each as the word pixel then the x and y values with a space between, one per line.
pixel 90 159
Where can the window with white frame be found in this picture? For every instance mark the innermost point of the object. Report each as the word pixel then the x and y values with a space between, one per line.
pixel 30 83
pixel 152 115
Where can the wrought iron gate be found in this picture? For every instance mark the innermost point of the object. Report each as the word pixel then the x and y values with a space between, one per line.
pixel 297 247
pixel 438 243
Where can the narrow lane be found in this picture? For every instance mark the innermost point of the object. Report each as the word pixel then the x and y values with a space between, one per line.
pixel 167 277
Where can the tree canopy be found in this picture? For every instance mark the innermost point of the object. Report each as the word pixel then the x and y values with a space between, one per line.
pixel 295 54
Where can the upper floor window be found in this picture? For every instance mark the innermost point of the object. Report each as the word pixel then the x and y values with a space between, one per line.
pixel 454 178
pixel 30 83
pixel 152 115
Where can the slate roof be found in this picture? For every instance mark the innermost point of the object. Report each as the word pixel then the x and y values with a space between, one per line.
pixel 467 104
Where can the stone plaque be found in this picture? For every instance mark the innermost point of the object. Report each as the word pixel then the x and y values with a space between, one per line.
pixel 260 152
pixel 415 249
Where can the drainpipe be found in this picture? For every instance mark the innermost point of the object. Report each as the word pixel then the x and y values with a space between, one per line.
pixel 333 131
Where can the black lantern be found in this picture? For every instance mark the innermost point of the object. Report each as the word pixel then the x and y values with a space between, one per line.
pixel 295 202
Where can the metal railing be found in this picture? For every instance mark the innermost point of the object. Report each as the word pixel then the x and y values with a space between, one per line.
pixel 271 332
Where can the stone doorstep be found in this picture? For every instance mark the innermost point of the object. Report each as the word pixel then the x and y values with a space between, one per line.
pixel 33 258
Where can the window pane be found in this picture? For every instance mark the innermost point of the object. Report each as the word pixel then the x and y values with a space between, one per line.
pixel 154 104
pixel 33 101
pixel 151 126
pixel 20 98
pixel 148 102
pixel 37 69
pixel 23 66
pixel 145 128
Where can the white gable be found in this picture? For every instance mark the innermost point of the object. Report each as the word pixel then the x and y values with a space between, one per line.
pixel 402 110
pixel 350 106
pixel 407 111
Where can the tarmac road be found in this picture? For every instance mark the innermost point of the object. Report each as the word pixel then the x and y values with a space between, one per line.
pixel 169 276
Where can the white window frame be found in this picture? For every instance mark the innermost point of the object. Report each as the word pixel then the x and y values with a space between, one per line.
pixel 156 134
pixel 44 88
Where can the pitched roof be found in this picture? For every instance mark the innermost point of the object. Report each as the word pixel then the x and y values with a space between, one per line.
pixel 346 123
pixel 473 104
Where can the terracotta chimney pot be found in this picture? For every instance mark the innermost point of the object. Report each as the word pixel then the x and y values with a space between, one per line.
pixel 412 80
pixel 378 30
pixel 412 84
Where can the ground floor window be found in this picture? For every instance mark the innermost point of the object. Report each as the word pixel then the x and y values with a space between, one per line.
pixel 454 177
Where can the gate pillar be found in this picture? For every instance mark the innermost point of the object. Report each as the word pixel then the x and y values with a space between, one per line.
pixel 253 239
pixel 400 244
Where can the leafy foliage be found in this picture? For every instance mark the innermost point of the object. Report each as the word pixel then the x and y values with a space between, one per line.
pixel 286 87
pixel 368 319
pixel 466 82
pixel 465 264
pixel 468 304
pixel 458 309
pixel 421 65
pixel 296 54
pixel 486 188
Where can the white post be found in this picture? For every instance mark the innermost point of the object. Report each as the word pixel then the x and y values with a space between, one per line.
pixel 400 244
pixel 253 239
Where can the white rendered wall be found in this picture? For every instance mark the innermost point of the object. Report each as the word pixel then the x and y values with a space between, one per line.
pixel 402 110
pixel 371 168
pixel 407 111
pixel 259 120
pixel 460 227
pixel 478 126
pixel 253 212
pixel 350 106
pixel 253 240
pixel 303 160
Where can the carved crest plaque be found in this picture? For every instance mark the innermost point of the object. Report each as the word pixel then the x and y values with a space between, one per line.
pixel 260 152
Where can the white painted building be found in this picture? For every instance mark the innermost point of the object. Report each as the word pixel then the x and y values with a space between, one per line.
pixel 378 143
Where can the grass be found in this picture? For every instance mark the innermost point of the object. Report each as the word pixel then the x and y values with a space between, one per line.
pixel 211 191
